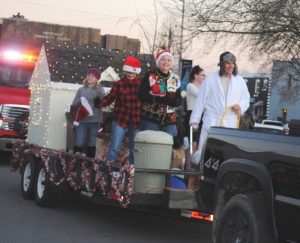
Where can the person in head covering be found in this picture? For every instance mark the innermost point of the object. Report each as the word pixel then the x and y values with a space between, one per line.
pixel 87 115
pixel 160 95
pixel 223 97
pixel 127 108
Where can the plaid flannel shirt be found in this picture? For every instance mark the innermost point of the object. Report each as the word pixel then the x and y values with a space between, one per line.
pixel 127 106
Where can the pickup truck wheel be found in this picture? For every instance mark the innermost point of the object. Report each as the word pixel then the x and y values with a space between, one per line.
pixel 43 187
pixel 243 220
pixel 27 179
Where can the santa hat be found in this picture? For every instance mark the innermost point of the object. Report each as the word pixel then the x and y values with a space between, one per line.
pixel 162 54
pixel 132 65
pixel 95 71
pixel 82 111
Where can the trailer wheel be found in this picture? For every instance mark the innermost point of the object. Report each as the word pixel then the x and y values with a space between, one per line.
pixel 43 188
pixel 28 178
pixel 243 220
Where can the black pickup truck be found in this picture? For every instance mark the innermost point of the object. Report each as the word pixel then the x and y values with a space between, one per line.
pixel 251 183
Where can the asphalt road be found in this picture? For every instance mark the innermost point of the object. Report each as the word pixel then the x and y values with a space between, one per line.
pixel 76 221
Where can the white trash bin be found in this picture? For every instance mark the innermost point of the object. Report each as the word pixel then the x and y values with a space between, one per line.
pixel 153 150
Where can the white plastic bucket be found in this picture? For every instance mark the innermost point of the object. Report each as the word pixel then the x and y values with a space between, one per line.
pixel 153 150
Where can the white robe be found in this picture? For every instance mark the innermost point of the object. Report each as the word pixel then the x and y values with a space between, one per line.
pixel 212 101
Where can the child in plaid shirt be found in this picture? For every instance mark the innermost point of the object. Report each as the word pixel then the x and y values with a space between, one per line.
pixel 127 108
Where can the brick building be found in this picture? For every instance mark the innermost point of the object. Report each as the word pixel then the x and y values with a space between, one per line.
pixel 117 42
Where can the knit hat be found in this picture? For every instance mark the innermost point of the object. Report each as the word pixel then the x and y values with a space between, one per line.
pixel 95 71
pixel 132 65
pixel 226 56
pixel 161 54
pixel 83 110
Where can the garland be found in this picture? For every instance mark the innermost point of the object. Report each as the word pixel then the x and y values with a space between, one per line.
pixel 80 172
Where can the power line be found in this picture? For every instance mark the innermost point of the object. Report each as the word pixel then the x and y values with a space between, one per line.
pixel 35 4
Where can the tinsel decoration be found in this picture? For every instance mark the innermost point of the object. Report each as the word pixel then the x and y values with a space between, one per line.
pixel 114 182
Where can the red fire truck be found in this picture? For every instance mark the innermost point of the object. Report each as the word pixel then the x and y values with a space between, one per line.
pixel 20 43
pixel 15 72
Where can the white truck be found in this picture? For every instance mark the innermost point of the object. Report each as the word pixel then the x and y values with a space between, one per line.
pixel 270 126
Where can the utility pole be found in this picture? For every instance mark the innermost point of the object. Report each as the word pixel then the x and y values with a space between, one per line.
pixel 181 39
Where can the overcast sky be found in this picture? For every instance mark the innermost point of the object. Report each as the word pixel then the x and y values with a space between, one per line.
pixel 112 17
pixel 100 14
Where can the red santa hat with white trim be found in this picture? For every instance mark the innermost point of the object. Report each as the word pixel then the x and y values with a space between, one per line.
pixel 132 65
pixel 82 111
pixel 162 54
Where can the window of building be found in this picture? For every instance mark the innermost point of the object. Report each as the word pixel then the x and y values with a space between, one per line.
pixel 257 86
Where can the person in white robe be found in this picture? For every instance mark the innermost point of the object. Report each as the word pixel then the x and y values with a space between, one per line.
pixel 223 97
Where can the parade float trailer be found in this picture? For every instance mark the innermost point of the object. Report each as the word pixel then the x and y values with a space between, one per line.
pixel 48 166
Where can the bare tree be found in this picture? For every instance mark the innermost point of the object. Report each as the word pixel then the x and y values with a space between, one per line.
pixel 149 27
pixel 269 26
pixel 265 27
pixel 156 29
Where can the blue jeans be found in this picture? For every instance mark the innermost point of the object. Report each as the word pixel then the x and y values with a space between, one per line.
pixel 150 125
pixel 117 136
pixel 86 134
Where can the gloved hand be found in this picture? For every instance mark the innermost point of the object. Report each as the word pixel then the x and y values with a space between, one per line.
pixel 97 102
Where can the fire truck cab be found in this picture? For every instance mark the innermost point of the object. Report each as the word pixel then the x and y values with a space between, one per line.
pixel 15 73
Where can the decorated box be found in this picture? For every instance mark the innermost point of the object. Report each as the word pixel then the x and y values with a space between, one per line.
pixel 49 103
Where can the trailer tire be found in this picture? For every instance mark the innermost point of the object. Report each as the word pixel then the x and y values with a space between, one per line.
pixel 44 195
pixel 28 178
pixel 243 219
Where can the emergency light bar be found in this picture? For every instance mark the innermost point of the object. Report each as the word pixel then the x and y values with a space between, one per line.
pixel 12 55
pixel 17 56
